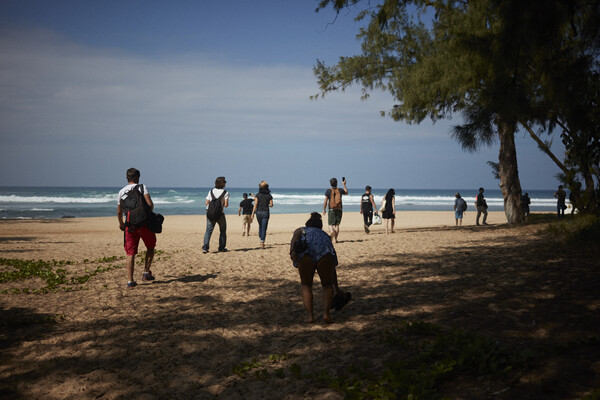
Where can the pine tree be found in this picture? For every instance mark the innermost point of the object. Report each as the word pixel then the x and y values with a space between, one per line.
pixel 486 60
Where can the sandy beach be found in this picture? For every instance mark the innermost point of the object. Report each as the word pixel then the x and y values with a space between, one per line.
pixel 189 333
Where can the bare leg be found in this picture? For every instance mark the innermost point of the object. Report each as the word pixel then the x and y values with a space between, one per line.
pixel 393 222
pixel 148 260
pixel 327 299
pixel 130 264
pixel 334 231
pixel 307 299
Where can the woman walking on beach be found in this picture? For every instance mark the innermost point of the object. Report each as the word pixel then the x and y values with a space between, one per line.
pixel 264 201
pixel 388 205
pixel 311 249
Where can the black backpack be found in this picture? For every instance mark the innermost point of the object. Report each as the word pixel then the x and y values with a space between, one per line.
pixel 215 207
pixel 135 207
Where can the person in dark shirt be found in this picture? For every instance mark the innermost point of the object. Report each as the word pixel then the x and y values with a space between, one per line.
pixel 367 205
pixel 525 202
pixel 317 254
pixel 481 206
pixel 246 212
pixel 561 205
pixel 264 201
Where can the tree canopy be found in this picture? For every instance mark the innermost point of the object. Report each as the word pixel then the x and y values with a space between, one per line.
pixel 493 62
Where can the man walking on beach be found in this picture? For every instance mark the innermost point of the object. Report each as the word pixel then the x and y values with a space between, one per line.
pixel 561 204
pixel 334 197
pixel 367 204
pixel 246 211
pixel 218 194
pixel 481 206
pixel 133 235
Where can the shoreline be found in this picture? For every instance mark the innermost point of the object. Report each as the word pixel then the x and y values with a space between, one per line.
pixel 351 220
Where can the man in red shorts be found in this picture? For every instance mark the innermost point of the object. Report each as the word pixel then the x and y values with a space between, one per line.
pixel 132 239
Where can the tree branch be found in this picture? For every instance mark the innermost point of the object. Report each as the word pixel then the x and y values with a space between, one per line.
pixel 544 147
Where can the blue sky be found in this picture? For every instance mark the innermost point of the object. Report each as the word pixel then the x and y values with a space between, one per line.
pixel 189 90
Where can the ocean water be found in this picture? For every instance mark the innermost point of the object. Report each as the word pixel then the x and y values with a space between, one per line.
pixel 79 202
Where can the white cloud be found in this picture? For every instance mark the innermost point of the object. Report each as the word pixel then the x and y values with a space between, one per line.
pixel 190 113
pixel 51 86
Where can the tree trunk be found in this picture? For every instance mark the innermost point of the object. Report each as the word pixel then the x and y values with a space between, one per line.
pixel 509 173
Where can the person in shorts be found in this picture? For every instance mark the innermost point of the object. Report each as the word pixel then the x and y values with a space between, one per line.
pixel 132 238
pixel 318 255
pixel 245 212
pixel 333 197
pixel 460 206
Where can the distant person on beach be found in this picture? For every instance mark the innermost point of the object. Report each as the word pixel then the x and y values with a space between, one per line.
pixel 388 210
pixel 561 205
pixel 525 202
pixel 367 205
pixel 245 211
pixel 264 201
pixel 311 249
pixel 333 196
pixel 481 206
pixel 221 194
pixel 572 201
pixel 133 235
pixel 460 206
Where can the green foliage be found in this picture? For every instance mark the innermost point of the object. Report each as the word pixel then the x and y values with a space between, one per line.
pixel 261 371
pixel 54 278
pixel 595 395
pixel 296 370
pixel 274 358
pixel 496 63
pixel 439 355
pixel 246 366
pixel 580 229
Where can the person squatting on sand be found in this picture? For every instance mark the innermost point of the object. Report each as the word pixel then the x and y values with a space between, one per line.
pixel 133 235
pixel 388 210
pixel 334 197
pixel 246 210
pixel 317 252
pixel 367 205
pixel 264 201
pixel 220 193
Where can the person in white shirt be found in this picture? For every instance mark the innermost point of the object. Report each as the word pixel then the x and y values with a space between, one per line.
pixel 133 236
pixel 218 192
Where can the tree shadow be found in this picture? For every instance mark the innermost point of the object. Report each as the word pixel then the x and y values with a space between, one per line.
pixel 526 292
pixel 190 279
pixel 11 239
